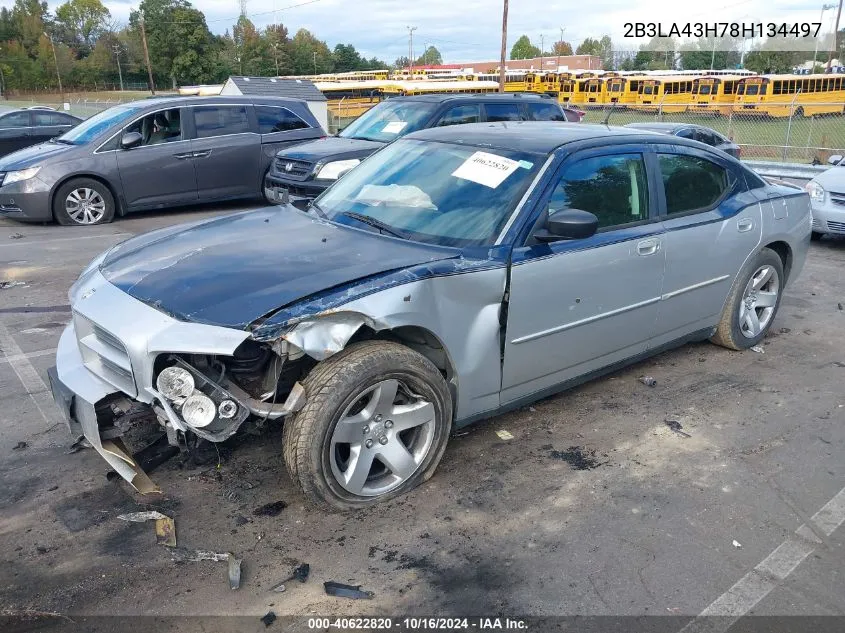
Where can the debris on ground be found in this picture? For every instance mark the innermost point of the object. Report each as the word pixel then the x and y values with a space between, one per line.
pixel 234 572
pixel 839 305
pixel 141 517
pixel 182 555
pixel 270 509
pixel 269 618
pixel 758 349
pixel 166 532
pixel 504 435
pixel 20 446
pixel 839 363
pixel 578 458
pixel 785 330
pixel 340 590
pixel 16 236
pixel 737 544
pixel 11 284
pixel 300 574
pixel 648 381
pixel 78 445
pixel 676 426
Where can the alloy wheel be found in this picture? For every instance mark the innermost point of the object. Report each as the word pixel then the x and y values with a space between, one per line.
pixel 759 301
pixel 85 206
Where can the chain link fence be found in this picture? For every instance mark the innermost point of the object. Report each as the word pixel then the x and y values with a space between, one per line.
pixel 793 138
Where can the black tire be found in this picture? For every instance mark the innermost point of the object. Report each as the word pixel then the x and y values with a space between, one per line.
pixel 331 388
pixel 61 198
pixel 729 332
pixel 816 236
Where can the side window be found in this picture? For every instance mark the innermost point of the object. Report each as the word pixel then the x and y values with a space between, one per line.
pixel 614 188
pixel 706 137
pixel 692 183
pixel 685 133
pixel 545 112
pixel 502 112
pixel 274 119
pixel 16 119
pixel 49 119
pixel 157 128
pixel 220 120
pixel 458 115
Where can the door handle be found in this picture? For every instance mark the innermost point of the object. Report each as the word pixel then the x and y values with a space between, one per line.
pixel 183 156
pixel 745 224
pixel 648 247
pixel 202 154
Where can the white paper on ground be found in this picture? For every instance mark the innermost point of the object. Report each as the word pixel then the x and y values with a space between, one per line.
pixel 486 169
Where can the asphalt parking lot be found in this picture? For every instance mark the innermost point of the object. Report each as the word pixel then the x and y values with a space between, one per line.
pixel 594 507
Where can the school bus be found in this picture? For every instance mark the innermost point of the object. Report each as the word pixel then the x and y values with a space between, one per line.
pixel 669 94
pixel 566 89
pixel 715 94
pixel 623 89
pixel 542 83
pixel 785 95
pixel 589 91
pixel 515 81
pixel 351 98
pixel 402 88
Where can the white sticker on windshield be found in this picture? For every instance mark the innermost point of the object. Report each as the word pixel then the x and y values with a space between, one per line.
pixel 394 127
pixel 486 169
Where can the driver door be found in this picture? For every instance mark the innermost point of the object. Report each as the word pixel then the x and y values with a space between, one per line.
pixel 577 306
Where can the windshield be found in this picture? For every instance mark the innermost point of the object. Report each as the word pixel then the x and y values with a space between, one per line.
pixel 439 193
pixel 92 127
pixel 389 120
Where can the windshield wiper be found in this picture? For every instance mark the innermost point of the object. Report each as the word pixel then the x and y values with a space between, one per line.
pixel 378 224
pixel 62 141
pixel 313 205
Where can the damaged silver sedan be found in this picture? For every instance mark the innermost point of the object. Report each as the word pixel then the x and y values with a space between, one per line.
pixel 458 273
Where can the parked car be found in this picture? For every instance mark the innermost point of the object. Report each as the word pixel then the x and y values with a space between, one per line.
pixel 152 154
pixel 695 132
pixel 303 173
pixel 458 273
pixel 827 197
pixel 30 126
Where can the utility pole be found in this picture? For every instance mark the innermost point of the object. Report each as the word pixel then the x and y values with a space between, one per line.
pixel 56 61
pixel 504 47
pixel 562 29
pixel 275 46
pixel 315 62
pixel 119 71
pixel 542 49
pixel 713 55
pixel 147 56
pixel 411 30
pixel 825 7
pixel 835 34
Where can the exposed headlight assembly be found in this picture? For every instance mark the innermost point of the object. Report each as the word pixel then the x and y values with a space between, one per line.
pixel 334 170
pixel 815 190
pixel 175 384
pixel 21 174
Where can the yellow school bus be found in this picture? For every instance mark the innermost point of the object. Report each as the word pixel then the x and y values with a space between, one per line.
pixel 782 95
pixel 669 94
pixel 542 83
pixel 402 88
pixel 351 98
pixel 589 91
pixel 623 90
pixel 566 89
pixel 715 94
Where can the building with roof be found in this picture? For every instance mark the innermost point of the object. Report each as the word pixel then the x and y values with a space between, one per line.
pixel 272 87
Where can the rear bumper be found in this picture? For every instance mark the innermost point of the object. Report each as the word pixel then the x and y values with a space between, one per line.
pixel 28 200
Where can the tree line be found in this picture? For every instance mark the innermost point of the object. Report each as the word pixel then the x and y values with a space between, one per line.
pixel 93 51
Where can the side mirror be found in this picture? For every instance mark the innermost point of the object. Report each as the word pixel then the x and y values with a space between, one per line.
pixel 130 140
pixel 568 224
pixel 835 159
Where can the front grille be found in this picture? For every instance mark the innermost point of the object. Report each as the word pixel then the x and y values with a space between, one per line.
pixel 837 198
pixel 296 169
pixel 104 355
pixel 836 227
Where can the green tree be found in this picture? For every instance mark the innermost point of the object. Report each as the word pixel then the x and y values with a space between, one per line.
pixel 722 53
pixel 430 57
pixel 772 62
pixel 80 23
pixel 402 62
pixel 309 55
pixel 30 19
pixel 599 48
pixel 524 49
pixel 278 43
pixel 346 58
pixel 562 47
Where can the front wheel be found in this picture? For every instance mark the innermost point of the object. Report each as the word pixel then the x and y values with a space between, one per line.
pixel 752 303
pixel 83 201
pixel 375 425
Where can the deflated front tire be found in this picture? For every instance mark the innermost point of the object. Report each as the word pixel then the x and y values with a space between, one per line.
pixel 375 425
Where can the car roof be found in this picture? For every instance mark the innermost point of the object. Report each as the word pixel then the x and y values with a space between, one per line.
pixel 439 97
pixel 659 126
pixel 190 100
pixel 539 137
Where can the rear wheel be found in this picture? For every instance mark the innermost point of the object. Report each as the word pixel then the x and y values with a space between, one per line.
pixel 752 303
pixel 83 201
pixel 375 425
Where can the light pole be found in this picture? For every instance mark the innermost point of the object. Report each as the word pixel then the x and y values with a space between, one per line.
pixel 504 47
pixel 542 46
pixel 825 7
pixel 119 71
pixel 56 61
pixel 562 29
pixel 835 35
pixel 411 30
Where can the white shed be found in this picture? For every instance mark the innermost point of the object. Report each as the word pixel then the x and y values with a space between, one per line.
pixel 291 88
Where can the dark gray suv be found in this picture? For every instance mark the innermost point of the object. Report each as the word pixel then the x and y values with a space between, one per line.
pixel 153 154
pixel 304 172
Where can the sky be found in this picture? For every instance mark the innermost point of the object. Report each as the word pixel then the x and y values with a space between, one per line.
pixel 467 30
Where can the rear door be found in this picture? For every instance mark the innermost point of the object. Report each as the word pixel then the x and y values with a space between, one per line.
pixel 226 149
pixel 47 125
pixel 15 132
pixel 504 111
pixel 545 111
pixel 712 225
